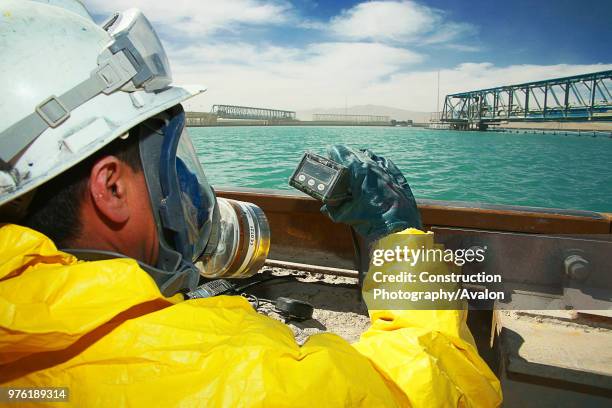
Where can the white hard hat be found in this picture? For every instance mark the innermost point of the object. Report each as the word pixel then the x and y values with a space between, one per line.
pixel 70 87
pixel 76 6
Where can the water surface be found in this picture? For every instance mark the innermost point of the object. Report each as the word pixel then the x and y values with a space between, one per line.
pixel 559 171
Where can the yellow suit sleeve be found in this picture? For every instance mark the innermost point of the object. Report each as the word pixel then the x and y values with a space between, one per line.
pixel 429 354
pixel 216 352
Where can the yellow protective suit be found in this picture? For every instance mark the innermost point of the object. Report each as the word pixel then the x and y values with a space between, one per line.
pixel 104 330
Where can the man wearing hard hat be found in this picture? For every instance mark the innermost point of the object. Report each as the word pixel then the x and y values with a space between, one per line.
pixel 95 160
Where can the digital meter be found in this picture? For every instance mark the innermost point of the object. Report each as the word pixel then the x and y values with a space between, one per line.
pixel 321 178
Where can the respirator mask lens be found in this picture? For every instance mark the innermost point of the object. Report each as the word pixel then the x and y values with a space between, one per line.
pixel 196 195
pixel 244 241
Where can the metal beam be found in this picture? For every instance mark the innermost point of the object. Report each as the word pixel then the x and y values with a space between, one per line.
pixel 249 112
pixel 579 94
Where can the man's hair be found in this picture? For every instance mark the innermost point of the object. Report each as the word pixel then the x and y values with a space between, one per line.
pixel 56 206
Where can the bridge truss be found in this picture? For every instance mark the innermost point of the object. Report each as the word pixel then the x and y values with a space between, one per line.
pixel 580 97
pixel 247 112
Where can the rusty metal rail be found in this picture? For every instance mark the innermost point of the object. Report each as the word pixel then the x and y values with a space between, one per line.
pixel 301 234
pixel 348 273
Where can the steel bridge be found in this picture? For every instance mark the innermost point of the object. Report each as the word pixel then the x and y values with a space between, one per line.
pixel 247 112
pixel 333 117
pixel 576 98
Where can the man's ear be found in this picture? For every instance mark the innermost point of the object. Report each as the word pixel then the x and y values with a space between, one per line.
pixel 108 188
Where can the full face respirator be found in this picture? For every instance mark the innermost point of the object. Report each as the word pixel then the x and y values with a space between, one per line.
pixel 199 234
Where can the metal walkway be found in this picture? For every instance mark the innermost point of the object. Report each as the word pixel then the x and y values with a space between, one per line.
pixel 247 112
pixel 576 98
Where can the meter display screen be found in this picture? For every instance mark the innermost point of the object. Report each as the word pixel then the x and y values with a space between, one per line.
pixel 319 172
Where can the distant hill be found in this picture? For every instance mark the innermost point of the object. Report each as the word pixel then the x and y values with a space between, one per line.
pixel 393 113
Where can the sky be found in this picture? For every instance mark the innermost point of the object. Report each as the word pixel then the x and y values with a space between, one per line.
pixel 306 54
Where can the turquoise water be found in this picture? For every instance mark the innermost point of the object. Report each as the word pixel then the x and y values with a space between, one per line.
pixel 491 167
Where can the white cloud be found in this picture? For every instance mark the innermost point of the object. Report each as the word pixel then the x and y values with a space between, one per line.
pixel 399 21
pixel 419 89
pixel 201 17
pixel 462 47
pixel 286 77
pixel 369 68
pixel 448 32
pixel 323 75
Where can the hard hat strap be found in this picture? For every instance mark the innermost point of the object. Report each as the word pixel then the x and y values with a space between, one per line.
pixel 111 74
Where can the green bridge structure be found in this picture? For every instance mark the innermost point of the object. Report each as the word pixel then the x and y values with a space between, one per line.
pixel 576 98
pixel 249 112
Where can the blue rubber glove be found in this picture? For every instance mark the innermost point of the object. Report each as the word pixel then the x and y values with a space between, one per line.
pixel 381 201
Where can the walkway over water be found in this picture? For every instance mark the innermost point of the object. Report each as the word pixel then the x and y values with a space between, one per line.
pixel 576 98
pixel 248 112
